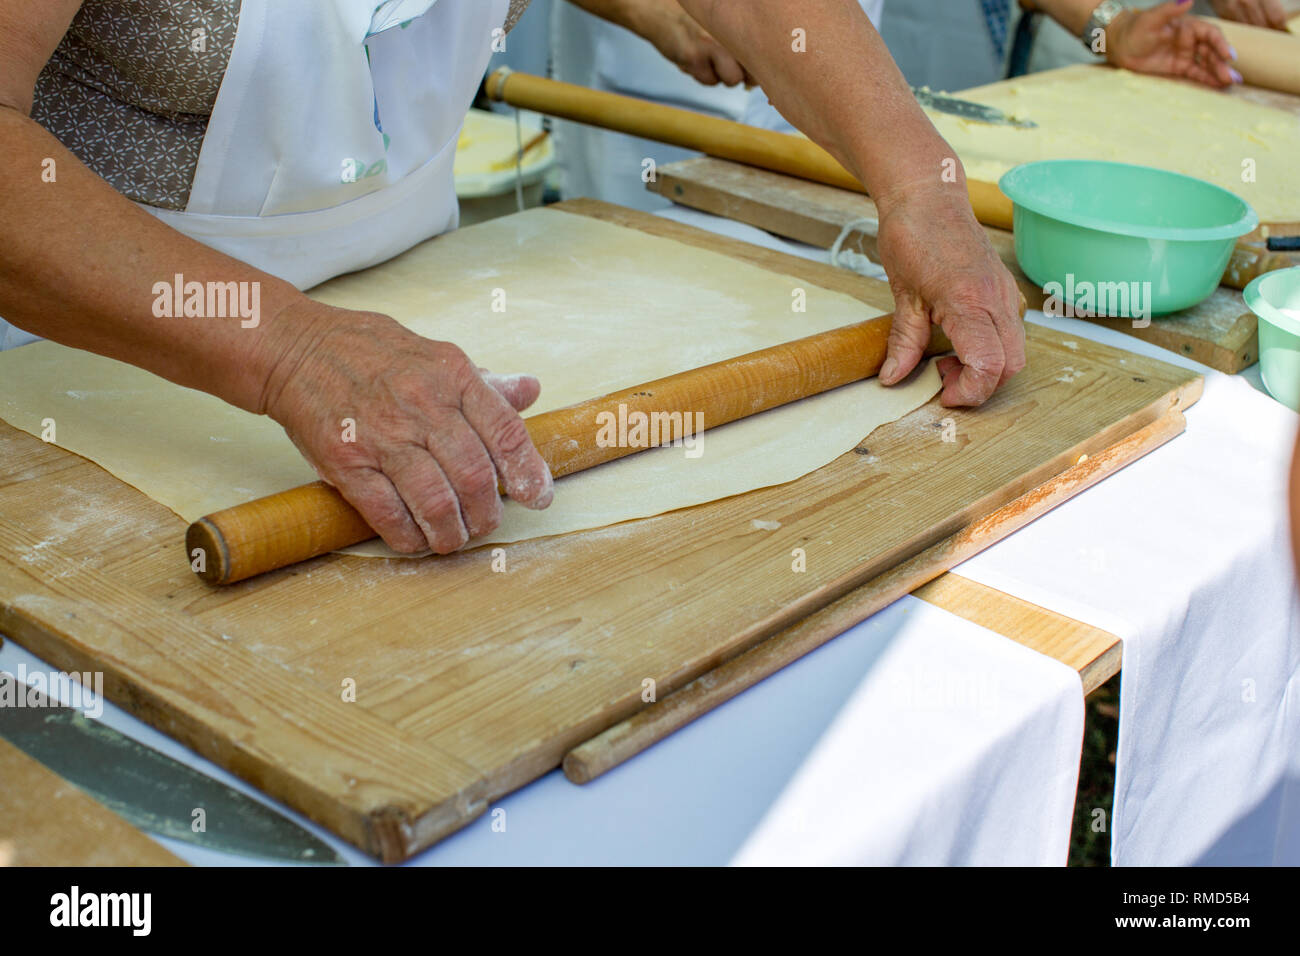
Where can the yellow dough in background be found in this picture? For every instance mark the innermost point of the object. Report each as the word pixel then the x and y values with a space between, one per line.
pixel 1088 112
pixel 589 308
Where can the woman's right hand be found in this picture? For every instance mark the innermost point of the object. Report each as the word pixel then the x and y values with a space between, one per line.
pixel 432 433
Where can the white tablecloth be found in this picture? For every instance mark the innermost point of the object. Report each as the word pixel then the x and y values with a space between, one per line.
pixel 1186 556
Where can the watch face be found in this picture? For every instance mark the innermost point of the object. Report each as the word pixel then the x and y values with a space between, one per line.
pixel 1094 32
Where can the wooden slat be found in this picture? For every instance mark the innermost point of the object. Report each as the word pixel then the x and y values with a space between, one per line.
pixel 471 683
pixel 1091 651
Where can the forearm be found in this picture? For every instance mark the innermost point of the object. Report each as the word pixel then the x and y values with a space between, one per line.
pixel 79 262
pixel 843 90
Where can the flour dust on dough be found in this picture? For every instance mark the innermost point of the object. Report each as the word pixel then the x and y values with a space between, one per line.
pixel 588 308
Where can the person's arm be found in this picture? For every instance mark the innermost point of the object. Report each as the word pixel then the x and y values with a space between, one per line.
pixel 825 67
pixel 675 34
pixel 78 263
pixel 1164 40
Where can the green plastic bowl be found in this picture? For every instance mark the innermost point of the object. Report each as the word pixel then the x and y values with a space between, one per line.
pixel 1279 333
pixel 1097 228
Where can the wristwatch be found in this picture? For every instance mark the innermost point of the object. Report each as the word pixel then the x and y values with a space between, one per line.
pixel 1101 18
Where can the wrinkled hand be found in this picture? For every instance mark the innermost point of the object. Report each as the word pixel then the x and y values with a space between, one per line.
pixel 1260 13
pixel 433 432
pixel 943 270
pixel 680 39
pixel 1166 41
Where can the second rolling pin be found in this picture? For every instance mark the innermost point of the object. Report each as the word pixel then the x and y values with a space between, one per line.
pixel 721 138
pixel 1267 58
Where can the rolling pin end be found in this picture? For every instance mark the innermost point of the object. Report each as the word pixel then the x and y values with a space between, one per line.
pixel 494 85
pixel 206 548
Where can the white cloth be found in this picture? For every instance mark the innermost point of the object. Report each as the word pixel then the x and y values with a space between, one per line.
pixel 1186 556
pixel 958 747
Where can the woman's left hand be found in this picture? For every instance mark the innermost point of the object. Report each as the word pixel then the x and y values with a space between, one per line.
pixel 1167 42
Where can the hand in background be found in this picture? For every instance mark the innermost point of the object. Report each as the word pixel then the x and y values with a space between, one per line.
pixel 676 35
pixel 1166 41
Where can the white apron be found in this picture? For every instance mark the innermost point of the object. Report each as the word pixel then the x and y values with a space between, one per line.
pixel 320 159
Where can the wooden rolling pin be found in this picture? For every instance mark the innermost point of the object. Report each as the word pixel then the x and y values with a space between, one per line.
pixel 1251 260
pixel 301 523
pixel 723 139
pixel 1267 58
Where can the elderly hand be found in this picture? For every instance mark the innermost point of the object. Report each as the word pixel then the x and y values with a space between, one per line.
pixel 433 432
pixel 943 270
pixel 1167 42
pixel 1260 13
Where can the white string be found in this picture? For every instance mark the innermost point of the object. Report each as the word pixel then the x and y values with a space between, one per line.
pixel 519 160
pixel 856 261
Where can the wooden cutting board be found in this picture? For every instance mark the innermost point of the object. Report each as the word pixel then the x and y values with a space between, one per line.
pixel 392 701
pixel 1220 332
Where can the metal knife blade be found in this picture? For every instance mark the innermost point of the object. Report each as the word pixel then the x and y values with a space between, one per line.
pixel 966 109
pixel 148 788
